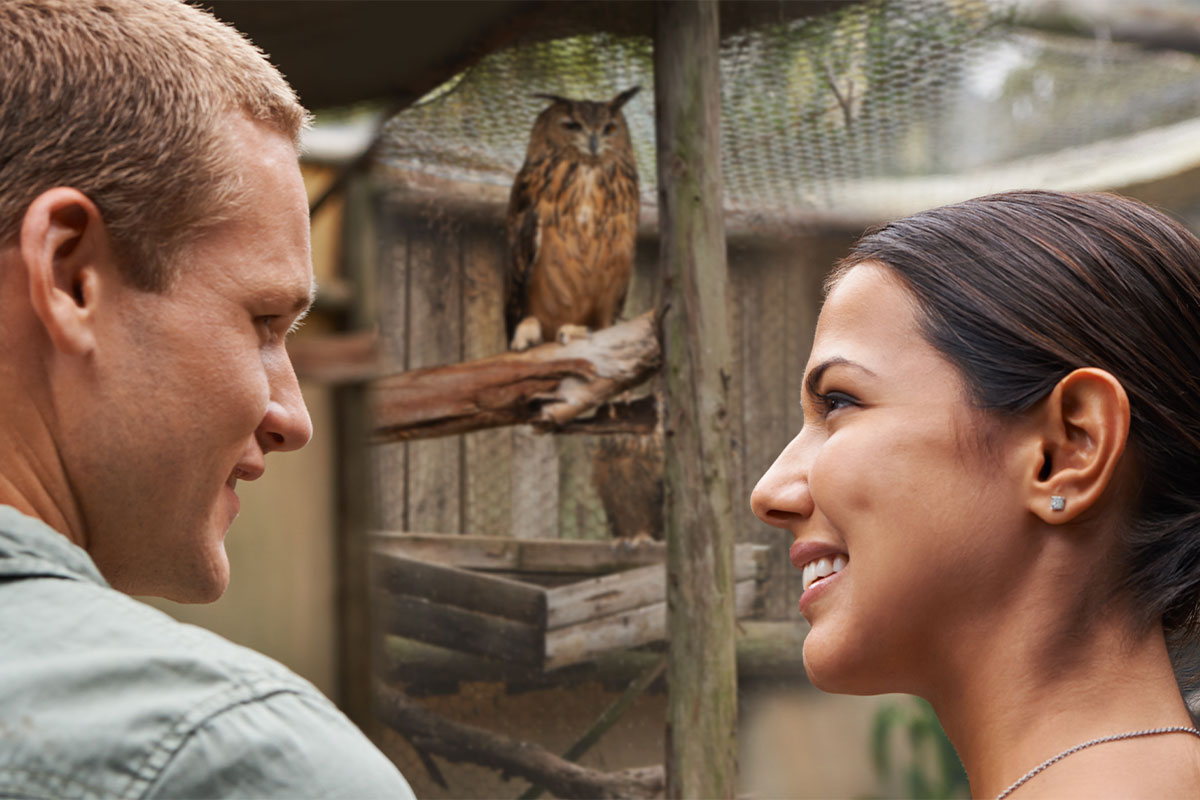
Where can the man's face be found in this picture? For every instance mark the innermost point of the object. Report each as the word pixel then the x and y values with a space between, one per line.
pixel 196 387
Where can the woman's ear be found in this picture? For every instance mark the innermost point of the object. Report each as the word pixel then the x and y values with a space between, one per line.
pixel 1084 427
pixel 64 246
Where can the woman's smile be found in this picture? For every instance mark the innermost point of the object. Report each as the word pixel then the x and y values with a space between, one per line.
pixel 819 564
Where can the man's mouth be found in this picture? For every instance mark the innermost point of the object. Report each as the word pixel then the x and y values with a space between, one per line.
pixel 244 472
pixel 822 568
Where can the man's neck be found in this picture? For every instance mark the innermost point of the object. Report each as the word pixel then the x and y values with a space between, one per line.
pixel 32 479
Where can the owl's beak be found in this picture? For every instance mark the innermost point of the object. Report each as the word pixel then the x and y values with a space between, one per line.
pixel 593 143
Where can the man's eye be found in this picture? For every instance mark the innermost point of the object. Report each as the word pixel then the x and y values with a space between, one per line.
pixel 267 325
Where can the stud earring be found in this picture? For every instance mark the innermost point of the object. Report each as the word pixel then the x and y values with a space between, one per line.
pixel 1057 502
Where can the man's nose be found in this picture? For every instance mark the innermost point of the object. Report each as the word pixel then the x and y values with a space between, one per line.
pixel 286 425
pixel 782 496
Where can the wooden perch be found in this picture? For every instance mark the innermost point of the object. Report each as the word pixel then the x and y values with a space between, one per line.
pixel 456 741
pixel 552 387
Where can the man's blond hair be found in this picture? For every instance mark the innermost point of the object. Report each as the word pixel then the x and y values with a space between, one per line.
pixel 123 100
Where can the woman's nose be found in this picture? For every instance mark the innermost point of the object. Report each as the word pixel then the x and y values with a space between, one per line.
pixel 782 496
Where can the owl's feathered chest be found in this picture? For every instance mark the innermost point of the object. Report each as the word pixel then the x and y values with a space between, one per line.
pixel 578 194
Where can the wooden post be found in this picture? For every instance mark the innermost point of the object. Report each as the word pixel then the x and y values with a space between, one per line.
pixel 702 677
pixel 357 641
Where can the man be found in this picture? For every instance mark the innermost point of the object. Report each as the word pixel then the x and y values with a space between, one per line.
pixel 154 252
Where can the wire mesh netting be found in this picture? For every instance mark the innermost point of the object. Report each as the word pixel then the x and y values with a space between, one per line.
pixel 805 103
pixel 813 106
pixel 1037 94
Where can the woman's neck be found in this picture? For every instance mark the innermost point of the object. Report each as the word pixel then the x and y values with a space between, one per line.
pixel 1026 703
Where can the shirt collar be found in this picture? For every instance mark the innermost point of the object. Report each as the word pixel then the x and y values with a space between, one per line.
pixel 29 548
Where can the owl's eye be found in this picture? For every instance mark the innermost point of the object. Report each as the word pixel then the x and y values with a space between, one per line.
pixel 609 128
pixel 571 125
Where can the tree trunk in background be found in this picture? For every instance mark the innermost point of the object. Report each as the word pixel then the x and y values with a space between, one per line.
pixel 701 757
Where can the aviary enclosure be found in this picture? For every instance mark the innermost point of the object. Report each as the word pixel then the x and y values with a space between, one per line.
pixel 507 590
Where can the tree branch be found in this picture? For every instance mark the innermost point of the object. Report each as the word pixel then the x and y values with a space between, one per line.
pixel 456 741
pixel 553 387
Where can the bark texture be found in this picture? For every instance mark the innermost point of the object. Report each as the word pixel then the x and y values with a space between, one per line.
pixel 551 387
pixel 702 676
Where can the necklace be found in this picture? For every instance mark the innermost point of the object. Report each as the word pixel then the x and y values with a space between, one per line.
pixel 1092 743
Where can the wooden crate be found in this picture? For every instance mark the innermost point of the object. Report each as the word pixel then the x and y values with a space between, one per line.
pixel 538 602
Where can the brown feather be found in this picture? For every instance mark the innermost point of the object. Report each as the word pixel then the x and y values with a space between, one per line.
pixel 572 218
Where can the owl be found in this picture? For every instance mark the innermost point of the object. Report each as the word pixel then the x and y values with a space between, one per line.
pixel 572 223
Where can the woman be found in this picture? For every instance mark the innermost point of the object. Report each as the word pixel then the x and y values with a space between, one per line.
pixel 995 497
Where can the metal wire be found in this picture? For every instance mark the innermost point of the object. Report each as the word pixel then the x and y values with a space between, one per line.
pixel 805 104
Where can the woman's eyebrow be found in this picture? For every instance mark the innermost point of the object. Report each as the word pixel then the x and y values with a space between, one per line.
pixel 814 374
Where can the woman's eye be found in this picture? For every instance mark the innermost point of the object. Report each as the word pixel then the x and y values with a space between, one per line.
pixel 834 401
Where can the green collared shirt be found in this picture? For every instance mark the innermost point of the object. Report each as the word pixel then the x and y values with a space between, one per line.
pixel 102 696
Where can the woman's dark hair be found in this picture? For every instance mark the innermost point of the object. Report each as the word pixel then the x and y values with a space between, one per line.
pixel 1019 289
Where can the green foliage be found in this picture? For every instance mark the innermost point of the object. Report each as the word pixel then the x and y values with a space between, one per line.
pixel 930 769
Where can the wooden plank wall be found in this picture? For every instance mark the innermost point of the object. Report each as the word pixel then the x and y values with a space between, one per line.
pixel 776 296
pixel 440 290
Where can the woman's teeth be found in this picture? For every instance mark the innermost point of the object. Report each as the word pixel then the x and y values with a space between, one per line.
pixel 821 568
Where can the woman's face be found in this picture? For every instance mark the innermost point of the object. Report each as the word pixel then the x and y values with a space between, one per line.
pixel 889 481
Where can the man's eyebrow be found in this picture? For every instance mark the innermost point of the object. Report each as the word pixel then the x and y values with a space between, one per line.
pixel 814 374
pixel 305 301
pixel 301 306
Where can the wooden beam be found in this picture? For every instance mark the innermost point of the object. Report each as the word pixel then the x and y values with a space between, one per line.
pixel 509 554
pixel 767 652
pixel 456 741
pixel 701 757
pixel 424 195
pixel 636 626
pixel 358 640
pixel 621 591
pixel 461 588
pixel 459 629
pixel 550 386
pixel 1152 26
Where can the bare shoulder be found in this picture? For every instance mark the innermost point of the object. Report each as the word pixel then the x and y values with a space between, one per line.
pixel 1158 767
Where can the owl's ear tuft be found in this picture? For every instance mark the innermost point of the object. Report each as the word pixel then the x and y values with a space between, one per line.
pixel 554 98
pixel 623 98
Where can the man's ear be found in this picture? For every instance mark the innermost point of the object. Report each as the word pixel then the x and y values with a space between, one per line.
pixel 1083 430
pixel 65 248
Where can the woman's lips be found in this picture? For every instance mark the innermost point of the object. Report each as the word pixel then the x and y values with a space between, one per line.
pixel 820 564
pixel 816 591
pixel 805 552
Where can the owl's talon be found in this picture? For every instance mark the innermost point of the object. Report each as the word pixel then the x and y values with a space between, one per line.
pixel 527 334
pixel 571 333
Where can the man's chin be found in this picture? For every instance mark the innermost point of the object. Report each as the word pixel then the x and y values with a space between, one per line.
pixel 209 582
pixel 202 580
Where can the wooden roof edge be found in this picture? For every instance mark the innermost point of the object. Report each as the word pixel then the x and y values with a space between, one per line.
pixel 434 196
pixel 1137 165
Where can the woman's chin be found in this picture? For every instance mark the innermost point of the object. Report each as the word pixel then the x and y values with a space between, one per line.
pixel 832 670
